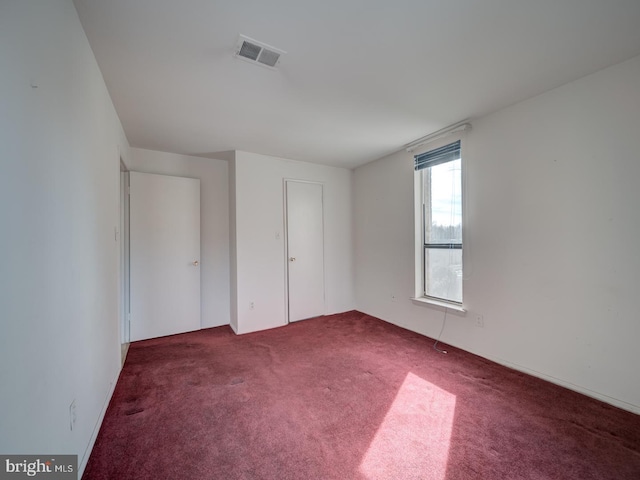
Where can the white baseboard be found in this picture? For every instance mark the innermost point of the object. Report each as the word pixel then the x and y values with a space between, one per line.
pixel 630 407
pixel 571 386
pixel 94 435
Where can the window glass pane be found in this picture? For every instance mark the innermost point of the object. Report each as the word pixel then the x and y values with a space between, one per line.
pixel 443 212
pixel 443 273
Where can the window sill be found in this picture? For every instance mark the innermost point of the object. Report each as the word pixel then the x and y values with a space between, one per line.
pixel 425 301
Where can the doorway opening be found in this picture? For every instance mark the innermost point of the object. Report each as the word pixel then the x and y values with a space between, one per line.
pixel 124 291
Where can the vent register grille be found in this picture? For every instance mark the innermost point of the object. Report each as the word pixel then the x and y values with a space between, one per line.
pixel 257 52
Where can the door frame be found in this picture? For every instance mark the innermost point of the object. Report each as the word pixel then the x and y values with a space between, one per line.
pixel 124 297
pixel 285 181
pixel 124 254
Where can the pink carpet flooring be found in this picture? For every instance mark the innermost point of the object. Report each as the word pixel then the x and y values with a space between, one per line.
pixel 348 397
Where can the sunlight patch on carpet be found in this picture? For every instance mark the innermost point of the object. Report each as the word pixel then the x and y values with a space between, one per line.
pixel 413 439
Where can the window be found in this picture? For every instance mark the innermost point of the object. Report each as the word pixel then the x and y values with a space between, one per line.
pixel 439 223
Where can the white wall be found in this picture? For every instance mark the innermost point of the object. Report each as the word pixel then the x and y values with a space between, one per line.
pixel 59 184
pixel 214 226
pixel 259 231
pixel 552 229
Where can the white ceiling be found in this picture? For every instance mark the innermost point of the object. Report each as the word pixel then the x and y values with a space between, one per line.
pixel 361 77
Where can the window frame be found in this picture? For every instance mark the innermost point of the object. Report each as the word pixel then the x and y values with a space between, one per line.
pixel 421 296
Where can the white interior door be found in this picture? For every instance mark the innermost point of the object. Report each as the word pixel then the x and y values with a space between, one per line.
pixel 164 255
pixel 305 247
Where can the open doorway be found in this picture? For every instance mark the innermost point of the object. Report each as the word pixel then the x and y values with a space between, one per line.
pixel 124 291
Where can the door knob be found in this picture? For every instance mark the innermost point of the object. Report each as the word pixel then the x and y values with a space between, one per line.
pixel 196 263
pixel 292 259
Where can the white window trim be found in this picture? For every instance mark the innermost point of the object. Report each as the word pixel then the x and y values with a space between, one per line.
pixel 431 301
pixel 419 298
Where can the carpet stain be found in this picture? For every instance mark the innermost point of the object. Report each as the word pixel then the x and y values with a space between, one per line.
pixel 133 411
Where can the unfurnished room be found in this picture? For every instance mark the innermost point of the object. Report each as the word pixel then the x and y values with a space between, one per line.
pixel 340 240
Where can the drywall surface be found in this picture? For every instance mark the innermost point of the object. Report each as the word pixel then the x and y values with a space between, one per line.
pixel 214 222
pixel 60 148
pixel 260 237
pixel 551 228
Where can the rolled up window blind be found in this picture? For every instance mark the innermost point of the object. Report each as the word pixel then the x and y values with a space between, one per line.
pixel 437 156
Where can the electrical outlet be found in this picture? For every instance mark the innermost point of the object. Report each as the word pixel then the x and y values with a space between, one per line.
pixel 72 415
pixel 479 320
pixel 394 298
pixel 251 306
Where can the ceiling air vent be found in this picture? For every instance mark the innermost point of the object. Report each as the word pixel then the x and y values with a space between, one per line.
pixel 258 53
